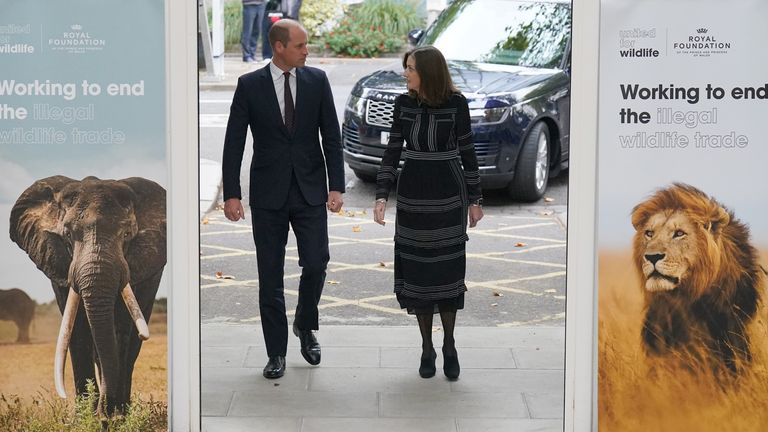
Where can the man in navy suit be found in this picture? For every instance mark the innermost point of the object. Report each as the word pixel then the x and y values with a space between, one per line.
pixel 286 104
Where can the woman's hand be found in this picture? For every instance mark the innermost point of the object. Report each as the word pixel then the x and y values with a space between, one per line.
pixel 475 214
pixel 378 212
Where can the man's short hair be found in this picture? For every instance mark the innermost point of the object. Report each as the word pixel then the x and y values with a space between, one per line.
pixel 281 31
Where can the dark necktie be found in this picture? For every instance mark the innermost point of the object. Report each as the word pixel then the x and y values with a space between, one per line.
pixel 288 102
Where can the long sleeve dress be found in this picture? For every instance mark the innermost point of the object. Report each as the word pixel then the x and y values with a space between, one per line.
pixel 438 181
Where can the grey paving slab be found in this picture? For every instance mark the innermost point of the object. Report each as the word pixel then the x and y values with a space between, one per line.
pixel 251 424
pixel 212 335
pixel 508 425
pixel 311 404
pixel 250 379
pixel 471 358
pixel 376 380
pixel 544 357
pixel 215 403
pixel 223 356
pixel 441 405
pixel 332 356
pixel 378 425
pixel 545 405
pixel 367 336
pixel 509 381
pixel 484 337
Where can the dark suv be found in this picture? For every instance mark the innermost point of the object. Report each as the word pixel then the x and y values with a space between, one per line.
pixel 511 59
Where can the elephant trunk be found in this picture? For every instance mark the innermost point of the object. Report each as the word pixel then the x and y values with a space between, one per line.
pixel 100 311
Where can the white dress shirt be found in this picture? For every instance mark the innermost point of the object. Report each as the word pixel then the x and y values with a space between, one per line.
pixel 278 79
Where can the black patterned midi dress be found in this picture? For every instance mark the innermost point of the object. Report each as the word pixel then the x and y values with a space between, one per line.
pixel 438 181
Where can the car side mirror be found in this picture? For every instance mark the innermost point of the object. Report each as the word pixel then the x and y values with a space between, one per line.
pixel 414 36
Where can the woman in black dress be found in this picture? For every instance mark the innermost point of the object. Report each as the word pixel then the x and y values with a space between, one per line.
pixel 438 192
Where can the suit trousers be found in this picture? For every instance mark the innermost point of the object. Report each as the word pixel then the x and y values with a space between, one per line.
pixel 270 234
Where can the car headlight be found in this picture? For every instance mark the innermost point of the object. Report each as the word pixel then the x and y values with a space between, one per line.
pixel 491 111
pixel 355 105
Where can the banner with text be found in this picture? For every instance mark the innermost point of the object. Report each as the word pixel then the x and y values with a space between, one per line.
pixel 682 227
pixel 83 146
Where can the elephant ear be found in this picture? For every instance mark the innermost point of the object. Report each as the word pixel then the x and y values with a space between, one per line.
pixel 34 219
pixel 147 252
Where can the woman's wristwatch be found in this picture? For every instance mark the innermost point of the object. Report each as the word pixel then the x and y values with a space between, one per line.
pixel 477 203
pixel 381 200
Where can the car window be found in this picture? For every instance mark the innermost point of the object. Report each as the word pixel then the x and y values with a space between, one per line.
pixel 523 33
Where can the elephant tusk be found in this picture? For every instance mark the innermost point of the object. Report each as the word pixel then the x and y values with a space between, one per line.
pixel 62 342
pixel 98 377
pixel 135 311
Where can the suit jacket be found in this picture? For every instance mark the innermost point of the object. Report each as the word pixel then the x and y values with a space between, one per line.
pixel 278 154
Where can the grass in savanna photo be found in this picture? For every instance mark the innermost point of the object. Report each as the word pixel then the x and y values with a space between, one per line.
pixel 671 394
pixel 29 403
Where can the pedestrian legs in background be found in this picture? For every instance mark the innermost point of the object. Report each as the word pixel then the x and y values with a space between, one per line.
pixel 266 24
pixel 292 9
pixel 253 19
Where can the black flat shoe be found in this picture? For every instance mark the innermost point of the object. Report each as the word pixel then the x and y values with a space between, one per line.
pixel 310 348
pixel 427 368
pixel 275 367
pixel 451 367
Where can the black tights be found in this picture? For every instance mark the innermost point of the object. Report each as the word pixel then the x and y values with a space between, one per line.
pixel 448 318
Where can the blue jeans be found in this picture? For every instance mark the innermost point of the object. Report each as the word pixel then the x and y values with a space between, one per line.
pixel 253 23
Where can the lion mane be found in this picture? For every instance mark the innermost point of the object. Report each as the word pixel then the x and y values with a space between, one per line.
pixel 700 276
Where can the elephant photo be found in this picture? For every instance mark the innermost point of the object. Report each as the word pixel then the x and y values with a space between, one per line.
pixel 16 306
pixel 102 243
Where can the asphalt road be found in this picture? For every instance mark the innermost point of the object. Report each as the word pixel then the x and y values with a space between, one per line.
pixel 516 256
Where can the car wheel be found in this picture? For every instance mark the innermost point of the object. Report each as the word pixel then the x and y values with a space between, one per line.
pixel 532 173
pixel 365 177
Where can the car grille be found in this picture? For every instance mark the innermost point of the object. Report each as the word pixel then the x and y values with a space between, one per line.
pixel 486 149
pixel 351 139
pixel 379 113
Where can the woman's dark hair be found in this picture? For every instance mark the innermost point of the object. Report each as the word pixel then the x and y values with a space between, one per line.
pixel 436 85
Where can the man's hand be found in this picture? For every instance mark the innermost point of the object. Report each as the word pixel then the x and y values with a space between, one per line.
pixel 378 212
pixel 475 214
pixel 334 201
pixel 233 209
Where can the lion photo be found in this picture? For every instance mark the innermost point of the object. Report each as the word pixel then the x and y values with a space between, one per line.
pixel 681 328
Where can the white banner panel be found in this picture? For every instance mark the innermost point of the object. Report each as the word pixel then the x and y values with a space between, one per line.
pixel 681 231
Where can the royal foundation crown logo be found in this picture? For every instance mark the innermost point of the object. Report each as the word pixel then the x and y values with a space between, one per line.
pixel 700 43
pixel 76 40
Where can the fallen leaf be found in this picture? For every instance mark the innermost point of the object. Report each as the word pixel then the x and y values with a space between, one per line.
pixel 546 213
pixel 356 228
pixel 333 282
pixel 382 264
pixel 363 213
pixel 436 329
pixel 494 304
pixel 548 199
pixel 220 275
pixel 350 214
pixel 497 294
pixel 520 244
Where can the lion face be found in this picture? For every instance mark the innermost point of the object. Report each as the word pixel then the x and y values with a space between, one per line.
pixel 669 250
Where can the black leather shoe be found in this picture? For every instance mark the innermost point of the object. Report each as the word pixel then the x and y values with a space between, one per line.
pixel 310 348
pixel 451 367
pixel 275 367
pixel 427 368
